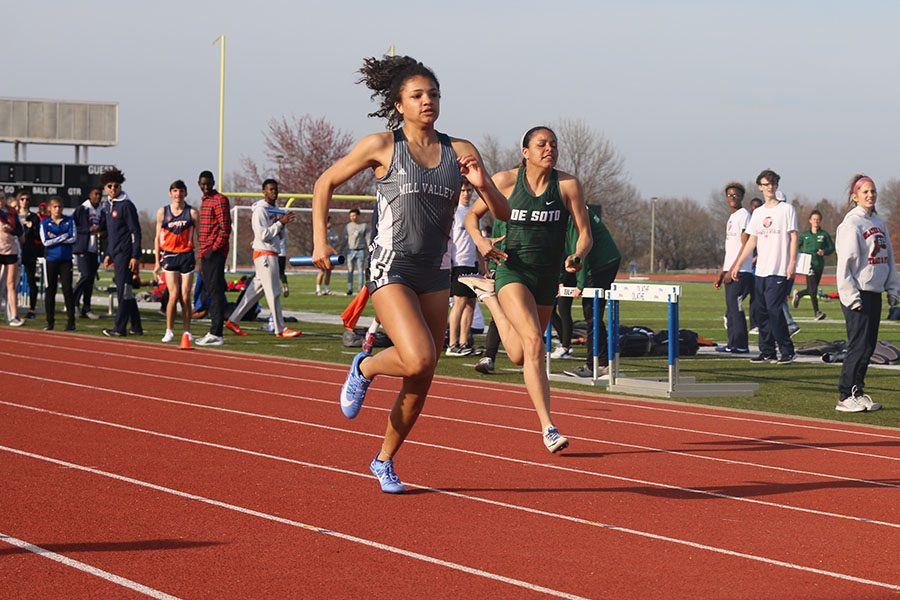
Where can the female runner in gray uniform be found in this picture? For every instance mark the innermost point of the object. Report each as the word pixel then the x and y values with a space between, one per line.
pixel 419 173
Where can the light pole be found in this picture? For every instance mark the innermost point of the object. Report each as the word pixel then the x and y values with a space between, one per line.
pixel 653 234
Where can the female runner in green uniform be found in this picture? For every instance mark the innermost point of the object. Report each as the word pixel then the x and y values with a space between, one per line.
pixel 525 285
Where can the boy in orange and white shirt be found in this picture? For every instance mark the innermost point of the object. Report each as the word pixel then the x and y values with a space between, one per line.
pixel 268 223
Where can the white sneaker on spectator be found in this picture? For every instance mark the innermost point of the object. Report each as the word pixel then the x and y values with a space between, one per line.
pixel 865 400
pixel 561 352
pixel 849 404
pixel 485 365
pixel 210 340
pixel 17 322
pixel 91 315
pixel 169 336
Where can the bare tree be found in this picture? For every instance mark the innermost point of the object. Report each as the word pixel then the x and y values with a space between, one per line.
pixel 685 235
pixel 496 157
pixel 589 156
pixel 298 150
pixel 889 208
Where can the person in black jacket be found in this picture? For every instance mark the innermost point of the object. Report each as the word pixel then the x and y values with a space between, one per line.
pixel 90 227
pixel 123 229
pixel 32 249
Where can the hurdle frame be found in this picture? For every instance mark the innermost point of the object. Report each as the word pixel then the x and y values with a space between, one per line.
pixel 597 380
pixel 673 385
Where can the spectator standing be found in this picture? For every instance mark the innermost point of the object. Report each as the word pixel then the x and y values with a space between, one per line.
pixel 10 230
pixel 600 269
pixel 268 223
pixel 736 290
pixel 89 226
pixel 816 242
pixel 282 243
pixel 58 236
pixel 123 229
pixel 865 270
pixel 31 248
pixel 215 231
pixel 773 234
pixel 463 261
pixel 357 237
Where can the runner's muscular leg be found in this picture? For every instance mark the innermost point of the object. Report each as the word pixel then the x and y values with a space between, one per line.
pixel 508 334
pixel 187 306
pixel 529 321
pixel 432 310
pixel 173 284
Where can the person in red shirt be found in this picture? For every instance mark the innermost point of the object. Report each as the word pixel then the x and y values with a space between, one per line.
pixel 215 231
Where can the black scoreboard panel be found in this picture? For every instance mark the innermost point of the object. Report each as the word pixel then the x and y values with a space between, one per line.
pixel 45 180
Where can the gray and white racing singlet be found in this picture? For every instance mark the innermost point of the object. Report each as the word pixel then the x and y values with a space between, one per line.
pixel 415 205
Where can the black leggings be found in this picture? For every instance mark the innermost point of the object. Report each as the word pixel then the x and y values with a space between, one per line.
pixel 812 289
pixel 59 271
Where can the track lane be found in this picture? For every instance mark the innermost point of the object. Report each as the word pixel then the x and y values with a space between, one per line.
pixel 577 495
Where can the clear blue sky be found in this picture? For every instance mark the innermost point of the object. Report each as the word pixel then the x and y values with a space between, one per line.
pixel 692 93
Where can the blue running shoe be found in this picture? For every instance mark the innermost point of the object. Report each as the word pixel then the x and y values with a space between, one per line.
pixel 384 471
pixel 353 392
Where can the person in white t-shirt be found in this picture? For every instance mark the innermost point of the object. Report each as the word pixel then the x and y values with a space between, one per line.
pixel 773 233
pixel 463 261
pixel 736 290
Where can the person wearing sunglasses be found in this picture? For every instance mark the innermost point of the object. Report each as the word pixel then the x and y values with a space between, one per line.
pixel 123 230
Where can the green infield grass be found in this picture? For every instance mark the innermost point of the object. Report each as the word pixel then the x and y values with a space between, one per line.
pixel 796 389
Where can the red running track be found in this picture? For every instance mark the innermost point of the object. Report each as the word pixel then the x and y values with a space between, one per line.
pixel 137 469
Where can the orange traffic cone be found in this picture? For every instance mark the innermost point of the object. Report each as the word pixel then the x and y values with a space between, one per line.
pixel 186 341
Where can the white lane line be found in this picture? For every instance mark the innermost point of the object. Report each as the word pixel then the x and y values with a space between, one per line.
pixel 305 526
pixel 606 526
pixel 513 460
pixel 562 395
pixel 683 409
pixel 86 568
pixel 681 453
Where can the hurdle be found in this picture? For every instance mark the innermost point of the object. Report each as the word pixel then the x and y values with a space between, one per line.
pixel 596 294
pixel 673 386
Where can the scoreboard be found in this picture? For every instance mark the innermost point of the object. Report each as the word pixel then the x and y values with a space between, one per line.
pixel 45 180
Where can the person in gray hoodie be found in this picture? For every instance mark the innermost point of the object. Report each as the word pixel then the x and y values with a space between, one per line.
pixel 268 222
pixel 865 270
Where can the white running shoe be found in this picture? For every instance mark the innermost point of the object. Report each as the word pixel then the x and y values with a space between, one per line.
pixel 485 365
pixel 554 440
pixel 483 287
pixel 561 352
pixel 210 340
pixel 170 335
pixel 850 404
pixel 91 315
pixel 865 400
pixel 17 322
